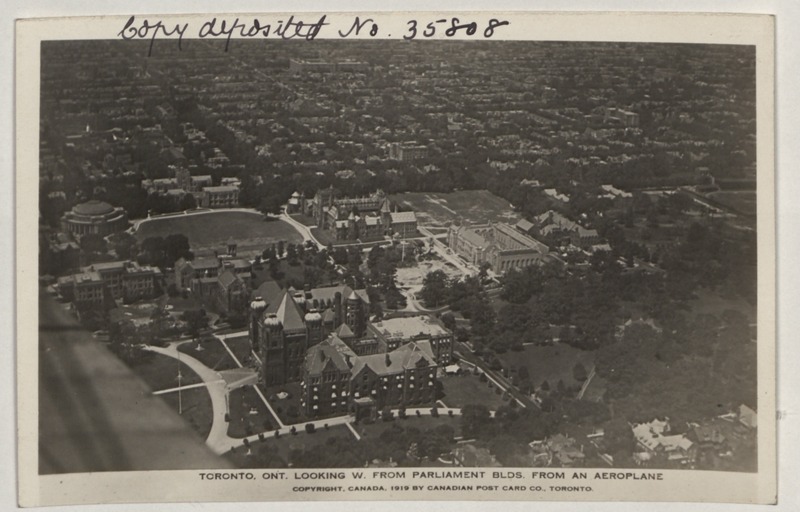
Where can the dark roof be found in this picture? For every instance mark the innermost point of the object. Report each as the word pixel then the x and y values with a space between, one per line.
pixel 287 311
pixel 408 356
pixel 344 331
pixel 227 278
pixel 268 291
pixel 332 352
pixel 93 207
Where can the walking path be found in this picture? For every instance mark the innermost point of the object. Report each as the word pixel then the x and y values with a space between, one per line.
pixel 222 338
pixel 301 228
pixel 218 439
pixel 180 388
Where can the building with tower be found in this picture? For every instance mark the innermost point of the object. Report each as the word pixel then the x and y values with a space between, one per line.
pixel 356 218
pixel 322 337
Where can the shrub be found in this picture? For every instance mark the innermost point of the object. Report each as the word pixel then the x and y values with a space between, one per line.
pixel 310 428
pixel 435 412
pixel 450 413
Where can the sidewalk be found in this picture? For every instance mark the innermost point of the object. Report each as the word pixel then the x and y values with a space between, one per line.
pixel 218 439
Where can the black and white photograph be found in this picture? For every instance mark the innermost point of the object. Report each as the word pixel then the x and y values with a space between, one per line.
pixel 419 259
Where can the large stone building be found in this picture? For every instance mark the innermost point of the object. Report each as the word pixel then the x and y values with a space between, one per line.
pixel 322 337
pixel 408 152
pixel 226 195
pixel 396 332
pixel 94 217
pixel 499 245
pixel 337 381
pixel 102 283
pixel 553 226
pixel 356 218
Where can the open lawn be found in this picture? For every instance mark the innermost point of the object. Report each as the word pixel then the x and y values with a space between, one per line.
pixel 288 409
pixel 212 354
pixel 413 277
pixel 281 446
pixel 476 206
pixel 743 201
pixel 240 346
pixel 551 363
pixel 374 430
pixel 248 414
pixel 467 389
pixel 196 408
pixel 213 229
pixel 161 372
pixel 712 303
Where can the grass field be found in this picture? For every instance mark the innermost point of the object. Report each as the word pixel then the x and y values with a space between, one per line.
pixel 374 430
pixel 711 303
pixel 196 408
pixel 287 442
pixel 467 389
pixel 161 372
pixel 248 413
pixel 550 363
pixel 743 201
pixel 476 206
pixel 212 354
pixel 212 230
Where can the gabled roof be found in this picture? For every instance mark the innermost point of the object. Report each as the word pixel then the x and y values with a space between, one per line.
pixel 268 291
pixel 328 316
pixel 331 354
pixel 204 263
pixel 403 217
pixel 287 311
pixel 409 356
pixel 344 331
pixel 227 278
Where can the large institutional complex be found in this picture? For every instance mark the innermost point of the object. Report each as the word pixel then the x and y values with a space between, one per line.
pixel 499 245
pixel 323 338
pixel 356 218
pixel 226 195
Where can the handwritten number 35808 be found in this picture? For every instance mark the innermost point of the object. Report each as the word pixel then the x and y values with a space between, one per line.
pixel 455 27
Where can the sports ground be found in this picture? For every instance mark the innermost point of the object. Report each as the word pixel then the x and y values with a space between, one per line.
pixel 473 206
pixel 211 230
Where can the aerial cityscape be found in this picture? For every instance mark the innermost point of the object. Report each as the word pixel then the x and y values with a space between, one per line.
pixel 401 253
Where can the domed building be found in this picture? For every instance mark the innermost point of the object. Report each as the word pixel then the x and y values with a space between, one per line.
pixel 95 217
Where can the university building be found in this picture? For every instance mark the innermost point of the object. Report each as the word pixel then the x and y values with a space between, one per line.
pixel 94 217
pixel 499 245
pixel 101 283
pixel 323 338
pixel 356 218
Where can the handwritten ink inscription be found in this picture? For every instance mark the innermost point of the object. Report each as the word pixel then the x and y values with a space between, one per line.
pixel 295 28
